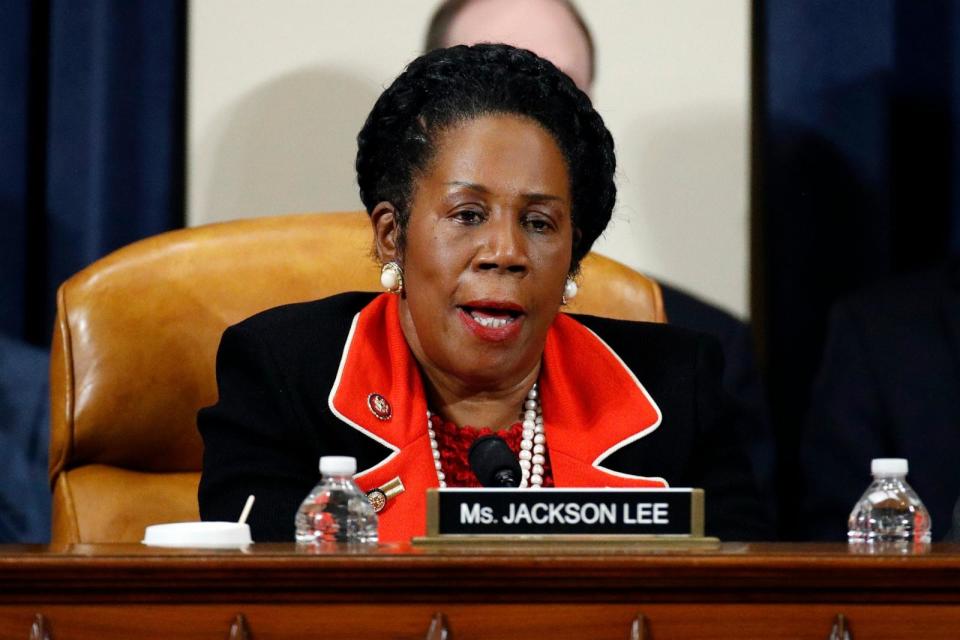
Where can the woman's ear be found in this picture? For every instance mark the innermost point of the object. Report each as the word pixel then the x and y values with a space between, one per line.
pixel 386 230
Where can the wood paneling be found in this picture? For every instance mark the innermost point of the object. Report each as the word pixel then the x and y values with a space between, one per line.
pixel 738 591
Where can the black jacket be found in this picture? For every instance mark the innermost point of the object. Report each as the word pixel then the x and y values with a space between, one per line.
pixel 272 421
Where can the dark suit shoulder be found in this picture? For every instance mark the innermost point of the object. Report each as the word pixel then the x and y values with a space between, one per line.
pixel 686 310
pixel 901 326
pixel 893 303
pixel 306 339
pixel 649 342
pixel 325 312
pixel 622 329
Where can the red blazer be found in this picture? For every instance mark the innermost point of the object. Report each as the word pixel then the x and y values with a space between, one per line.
pixel 592 405
pixel 295 383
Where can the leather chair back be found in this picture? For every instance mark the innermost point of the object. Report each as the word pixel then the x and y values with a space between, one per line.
pixel 135 343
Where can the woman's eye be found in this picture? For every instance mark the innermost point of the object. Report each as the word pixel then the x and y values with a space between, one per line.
pixel 538 224
pixel 469 216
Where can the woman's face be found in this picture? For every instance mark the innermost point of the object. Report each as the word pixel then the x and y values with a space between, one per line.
pixel 488 249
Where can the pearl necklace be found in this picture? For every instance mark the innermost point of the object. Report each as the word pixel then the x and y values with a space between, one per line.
pixel 533 445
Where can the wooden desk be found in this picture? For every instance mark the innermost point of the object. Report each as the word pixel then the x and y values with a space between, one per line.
pixel 739 591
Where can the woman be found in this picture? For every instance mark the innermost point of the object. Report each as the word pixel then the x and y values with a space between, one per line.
pixel 487 176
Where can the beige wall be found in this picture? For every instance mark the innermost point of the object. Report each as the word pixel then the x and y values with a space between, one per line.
pixel 279 89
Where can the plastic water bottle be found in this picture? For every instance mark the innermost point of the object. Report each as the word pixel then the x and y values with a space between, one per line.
pixel 336 510
pixel 890 515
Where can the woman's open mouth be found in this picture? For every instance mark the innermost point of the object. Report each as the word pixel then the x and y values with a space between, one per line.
pixel 494 321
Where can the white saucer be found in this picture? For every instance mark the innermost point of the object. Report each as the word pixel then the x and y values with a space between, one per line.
pixel 198 535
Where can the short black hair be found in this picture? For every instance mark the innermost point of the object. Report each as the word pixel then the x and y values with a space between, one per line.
pixel 449 86
pixel 446 11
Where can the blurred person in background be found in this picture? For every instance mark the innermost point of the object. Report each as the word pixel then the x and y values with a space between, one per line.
pixel 24 428
pixel 888 387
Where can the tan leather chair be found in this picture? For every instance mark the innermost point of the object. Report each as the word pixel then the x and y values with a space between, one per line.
pixel 135 342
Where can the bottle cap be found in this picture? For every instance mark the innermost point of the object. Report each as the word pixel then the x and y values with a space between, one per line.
pixel 338 465
pixel 888 467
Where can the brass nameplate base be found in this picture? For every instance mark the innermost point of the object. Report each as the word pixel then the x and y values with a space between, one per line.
pixel 669 518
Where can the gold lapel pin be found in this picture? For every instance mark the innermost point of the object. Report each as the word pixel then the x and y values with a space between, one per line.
pixel 378 497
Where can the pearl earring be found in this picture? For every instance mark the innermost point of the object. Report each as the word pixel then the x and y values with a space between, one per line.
pixel 570 290
pixel 391 277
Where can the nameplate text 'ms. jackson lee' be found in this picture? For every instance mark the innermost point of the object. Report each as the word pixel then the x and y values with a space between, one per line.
pixel 499 512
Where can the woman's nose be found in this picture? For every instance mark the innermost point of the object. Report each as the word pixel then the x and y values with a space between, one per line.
pixel 503 248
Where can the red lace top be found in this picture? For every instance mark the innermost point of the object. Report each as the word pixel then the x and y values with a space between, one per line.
pixel 454 443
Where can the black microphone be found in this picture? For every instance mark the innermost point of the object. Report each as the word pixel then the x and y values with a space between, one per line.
pixel 494 463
